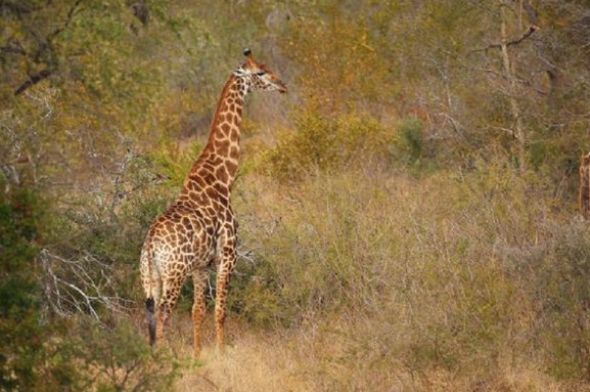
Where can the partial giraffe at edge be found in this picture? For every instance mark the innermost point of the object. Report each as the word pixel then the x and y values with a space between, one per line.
pixel 199 228
pixel 585 185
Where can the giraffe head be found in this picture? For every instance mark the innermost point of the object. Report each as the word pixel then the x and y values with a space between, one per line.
pixel 257 76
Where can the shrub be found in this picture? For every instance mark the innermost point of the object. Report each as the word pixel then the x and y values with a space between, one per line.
pixel 562 292
pixel 409 143
pixel 41 352
pixel 467 273
pixel 22 357
pixel 117 358
pixel 322 144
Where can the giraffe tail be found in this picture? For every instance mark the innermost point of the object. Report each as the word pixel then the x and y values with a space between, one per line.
pixel 150 284
pixel 151 319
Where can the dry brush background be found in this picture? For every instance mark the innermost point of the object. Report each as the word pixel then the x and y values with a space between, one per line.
pixel 408 212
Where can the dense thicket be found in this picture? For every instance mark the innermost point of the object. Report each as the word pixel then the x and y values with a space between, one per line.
pixel 418 182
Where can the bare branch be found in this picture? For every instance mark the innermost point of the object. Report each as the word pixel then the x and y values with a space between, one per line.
pixel 17 8
pixel 45 47
pixel 67 22
pixel 513 42
pixel 78 285
pixel 13 48
pixel 33 80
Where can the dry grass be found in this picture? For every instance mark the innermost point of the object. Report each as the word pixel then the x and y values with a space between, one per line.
pixel 312 359
pixel 252 361
pixel 374 281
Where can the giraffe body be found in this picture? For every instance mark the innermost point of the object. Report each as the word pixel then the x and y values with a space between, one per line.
pixel 199 228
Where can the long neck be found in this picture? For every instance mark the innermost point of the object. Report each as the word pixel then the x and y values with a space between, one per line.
pixel 218 163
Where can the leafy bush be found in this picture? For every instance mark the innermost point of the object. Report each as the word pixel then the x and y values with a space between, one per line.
pixel 409 142
pixel 41 352
pixel 23 355
pixel 320 143
pixel 117 358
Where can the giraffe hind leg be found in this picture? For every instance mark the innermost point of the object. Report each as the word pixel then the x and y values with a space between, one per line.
pixel 199 308
pixel 170 295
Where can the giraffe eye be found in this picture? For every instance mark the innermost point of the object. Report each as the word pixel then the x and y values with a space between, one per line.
pixel 260 73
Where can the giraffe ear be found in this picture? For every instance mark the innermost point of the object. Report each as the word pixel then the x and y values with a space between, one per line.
pixel 247 52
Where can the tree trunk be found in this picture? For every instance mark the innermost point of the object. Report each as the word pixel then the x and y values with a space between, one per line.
pixel 519 131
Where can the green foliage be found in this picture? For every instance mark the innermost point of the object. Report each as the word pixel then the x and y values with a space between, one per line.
pixel 350 70
pixel 310 147
pixel 409 142
pixel 321 143
pixel 466 266
pixel 51 354
pixel 19 215
pixel 117 358
pixel 256 294
pixel 33 354
pixel 19 291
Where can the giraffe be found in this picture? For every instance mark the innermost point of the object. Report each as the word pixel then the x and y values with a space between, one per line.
pixel 199 228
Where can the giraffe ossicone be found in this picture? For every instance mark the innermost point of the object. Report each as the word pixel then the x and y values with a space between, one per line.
pixel 199 228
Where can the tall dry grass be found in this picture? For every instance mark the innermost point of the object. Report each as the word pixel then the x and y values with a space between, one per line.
pixel 375 280
pixel 389 274
pixel 317 358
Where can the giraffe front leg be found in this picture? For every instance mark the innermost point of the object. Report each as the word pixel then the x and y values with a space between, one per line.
pixel 199 308
pixel 224 271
